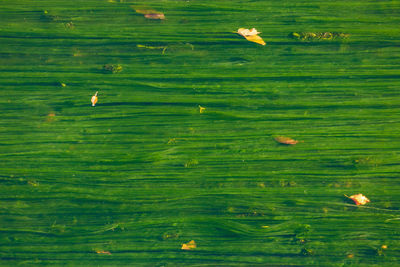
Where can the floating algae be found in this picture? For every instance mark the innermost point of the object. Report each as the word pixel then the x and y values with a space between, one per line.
pixel 112 68
pixel 315 36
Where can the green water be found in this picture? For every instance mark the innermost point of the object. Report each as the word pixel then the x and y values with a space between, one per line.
pixel 144 171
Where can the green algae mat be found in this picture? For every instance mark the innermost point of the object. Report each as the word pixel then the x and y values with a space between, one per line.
pixel 178 162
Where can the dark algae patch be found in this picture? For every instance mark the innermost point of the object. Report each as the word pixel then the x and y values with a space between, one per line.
pixel 203 147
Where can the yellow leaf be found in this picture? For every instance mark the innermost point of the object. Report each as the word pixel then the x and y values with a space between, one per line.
pixel 189 246
pixel 251 35
pixel 201 109
pixel 256 39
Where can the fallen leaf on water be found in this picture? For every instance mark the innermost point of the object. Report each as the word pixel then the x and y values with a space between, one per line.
pixel 150 13
pixel 286 140
pixel 189 246
pixel 94 99
pixel 359 199
pixel 251 35
pixel 103 252
pixel 154 16
pixel 201 109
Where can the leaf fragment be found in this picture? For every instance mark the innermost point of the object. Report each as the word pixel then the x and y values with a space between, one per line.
pixel 94 99
pixel 359 199
pixel 150 13
pixel 188 246
pixel 155 16
pixel 285 140
pixel 251 35
pixel 201 109
pixel 103 252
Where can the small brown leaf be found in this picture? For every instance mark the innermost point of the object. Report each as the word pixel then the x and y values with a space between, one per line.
pixel 359 199
pixel 286 140
pixel 190 245
pixel 155 16
pixel 103 252
pixel 251 35
pixel 150 13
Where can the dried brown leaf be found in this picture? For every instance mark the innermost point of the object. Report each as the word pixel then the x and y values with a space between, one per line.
pixel 286 140
pixel 150 13
pixel 103 252
pixel 188 246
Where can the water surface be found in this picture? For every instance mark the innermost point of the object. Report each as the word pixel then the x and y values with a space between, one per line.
pixel 144 171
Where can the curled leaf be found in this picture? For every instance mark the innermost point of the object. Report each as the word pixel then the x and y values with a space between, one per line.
pixel 359 199
pixel 94 99
pixel 285 140
pixel 201 109
pixel 251 35
pixel 246 32
pixel 188 246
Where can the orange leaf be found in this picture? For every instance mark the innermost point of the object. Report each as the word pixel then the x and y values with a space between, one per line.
pixel 189 246
pixel 286 140
pixel 359 199
pixel 94 99
pixel 251 35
